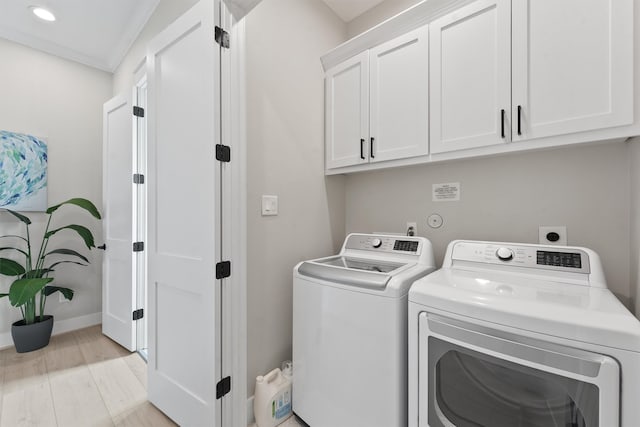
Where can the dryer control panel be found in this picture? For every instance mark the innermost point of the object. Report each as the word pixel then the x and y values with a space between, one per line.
pixel 566 259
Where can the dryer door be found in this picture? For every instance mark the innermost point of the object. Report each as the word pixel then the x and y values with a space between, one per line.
pixel 471 376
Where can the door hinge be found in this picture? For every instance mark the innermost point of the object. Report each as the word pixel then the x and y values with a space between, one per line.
pixel 223 269
pixel 223 387
pixel 222 37
pixel 138 111
pixel 138 178
pixel 138 314
pixel 223 153
pixel 138 246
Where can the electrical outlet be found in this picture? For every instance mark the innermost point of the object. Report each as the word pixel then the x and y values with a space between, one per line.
pixel 552 235
pixel 412 226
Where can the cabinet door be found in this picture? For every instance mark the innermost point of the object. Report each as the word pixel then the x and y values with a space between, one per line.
pixel 399 90
pixel 572 66
pixel 347 112
pixel 470 76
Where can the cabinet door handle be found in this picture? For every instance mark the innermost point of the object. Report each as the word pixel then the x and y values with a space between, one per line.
pixel 371 152
pixel 519 119
pixel 362 148
pixel 502 122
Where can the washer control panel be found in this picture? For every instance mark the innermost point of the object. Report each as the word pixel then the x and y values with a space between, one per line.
pixel 572 260
pixel 396 244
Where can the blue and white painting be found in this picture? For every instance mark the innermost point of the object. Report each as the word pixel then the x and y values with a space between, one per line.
pixel 23 172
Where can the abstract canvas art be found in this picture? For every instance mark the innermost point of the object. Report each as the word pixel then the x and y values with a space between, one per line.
pixel 23 172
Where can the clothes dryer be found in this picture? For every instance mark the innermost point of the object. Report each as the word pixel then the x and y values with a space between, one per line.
pixel 521 335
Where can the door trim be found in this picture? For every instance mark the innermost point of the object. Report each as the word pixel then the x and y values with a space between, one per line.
pixel 234 325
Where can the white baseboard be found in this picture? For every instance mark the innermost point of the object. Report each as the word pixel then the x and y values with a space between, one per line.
pixel 59 327
pixel 250 415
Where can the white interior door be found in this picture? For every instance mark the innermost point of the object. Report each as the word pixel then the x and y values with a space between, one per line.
pixel 118 274
pixel 559 90
pixel 399 90
pixel 470 76
pixel 183 217
pixel 347 112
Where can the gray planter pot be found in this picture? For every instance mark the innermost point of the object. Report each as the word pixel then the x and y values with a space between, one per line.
pixel 31 337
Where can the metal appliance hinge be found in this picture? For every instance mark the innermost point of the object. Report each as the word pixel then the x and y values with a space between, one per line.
pixel 223 387
pixel 138 111
pixel 138 178
pixel 138 314
pixel 223 269
pixel 223 153
pixel 138 246
pixel 222 37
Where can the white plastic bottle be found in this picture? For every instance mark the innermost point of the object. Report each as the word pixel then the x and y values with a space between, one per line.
pixel 272 399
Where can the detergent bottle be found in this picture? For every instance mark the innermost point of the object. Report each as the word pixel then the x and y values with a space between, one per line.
pixel 272 399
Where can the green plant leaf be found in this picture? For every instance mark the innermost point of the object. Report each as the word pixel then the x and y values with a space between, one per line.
pixel 9 267
pixel 83 203
pixel 23 290
pixel 21 217
pixel 4 295
pixel 83 231
pixel 68 252
pixel 68 293
pixel 65 262
pixel 8 248
pixel 12 235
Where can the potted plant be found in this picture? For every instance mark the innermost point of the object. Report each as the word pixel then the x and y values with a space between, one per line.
pixel 32 286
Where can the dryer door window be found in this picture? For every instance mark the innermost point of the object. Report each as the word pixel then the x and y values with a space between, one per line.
pixel 473 389
pixel 476 376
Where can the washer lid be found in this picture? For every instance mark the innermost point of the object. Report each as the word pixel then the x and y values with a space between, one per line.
pixel 569 311
pixel 361 272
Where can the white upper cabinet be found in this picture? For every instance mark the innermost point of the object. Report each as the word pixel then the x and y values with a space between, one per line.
pixel 572 66
pixel 377 103
pixel 470 53
pixel 347 112
pixel 399 90
pixel 450 79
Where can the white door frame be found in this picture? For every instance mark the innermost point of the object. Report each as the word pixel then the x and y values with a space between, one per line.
pixel 234 300
pixel 140 203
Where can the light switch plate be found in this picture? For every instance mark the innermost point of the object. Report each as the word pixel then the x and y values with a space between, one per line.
pixel 269 205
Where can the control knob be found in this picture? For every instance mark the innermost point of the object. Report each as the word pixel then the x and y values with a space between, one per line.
pixel 376 243
pixel 504 254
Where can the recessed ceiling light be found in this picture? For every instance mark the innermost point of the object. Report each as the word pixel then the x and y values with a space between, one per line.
pixel 42 13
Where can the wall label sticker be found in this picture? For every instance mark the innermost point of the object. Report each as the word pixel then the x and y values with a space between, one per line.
pixel 449 192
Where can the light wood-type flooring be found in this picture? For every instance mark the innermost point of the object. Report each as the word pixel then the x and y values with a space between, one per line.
pixel 290 422
pixel 81 378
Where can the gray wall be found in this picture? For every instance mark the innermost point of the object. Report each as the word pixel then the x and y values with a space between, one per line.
pixel 586 188
pixel 506 198
pixel 285 144
pixel 62 101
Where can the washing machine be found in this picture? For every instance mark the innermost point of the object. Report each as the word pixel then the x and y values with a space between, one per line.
pixel 521 335
pixel 350 331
